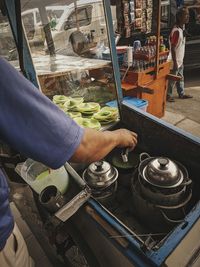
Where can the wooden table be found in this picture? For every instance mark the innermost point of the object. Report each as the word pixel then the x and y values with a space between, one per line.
pixel 146 86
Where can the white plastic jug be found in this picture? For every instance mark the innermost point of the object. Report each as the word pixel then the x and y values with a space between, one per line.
pixel 39 176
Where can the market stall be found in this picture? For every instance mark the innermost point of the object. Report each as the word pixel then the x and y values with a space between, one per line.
pixel 145 85
pixel 144 74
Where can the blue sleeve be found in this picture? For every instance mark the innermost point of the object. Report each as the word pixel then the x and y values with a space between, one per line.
pixel 31 124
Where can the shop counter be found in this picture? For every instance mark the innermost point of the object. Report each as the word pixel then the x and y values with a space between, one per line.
pixel 146 85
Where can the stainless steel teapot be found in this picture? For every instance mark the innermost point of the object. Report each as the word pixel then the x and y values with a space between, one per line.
pixel 162 172
pixel 100 174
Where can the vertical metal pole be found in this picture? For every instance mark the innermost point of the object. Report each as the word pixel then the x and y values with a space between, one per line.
pixel 111 39
pixel 76 13
pixel 19 36
pixel 47 30
pixel 158 36
pixel 27 60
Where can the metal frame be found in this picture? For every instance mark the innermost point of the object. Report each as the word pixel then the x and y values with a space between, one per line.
pixel 28 67
pixel 116 72
pixel 134 251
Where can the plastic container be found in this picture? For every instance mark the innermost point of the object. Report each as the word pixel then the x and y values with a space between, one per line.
pixel 106 56
pixel 136 45
pixel 39 176
pixel 121 49
pixel 136 102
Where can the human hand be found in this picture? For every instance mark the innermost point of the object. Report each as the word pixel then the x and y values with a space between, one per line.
pixel 95 145
pixel 126 138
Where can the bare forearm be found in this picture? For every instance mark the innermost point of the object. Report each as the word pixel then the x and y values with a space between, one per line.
pixel 174 56
pixel 96 145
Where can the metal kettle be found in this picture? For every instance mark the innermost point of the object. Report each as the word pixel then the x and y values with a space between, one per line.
pixel 162 172
pixel 100 174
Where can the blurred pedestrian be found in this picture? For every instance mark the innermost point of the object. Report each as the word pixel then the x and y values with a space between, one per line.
pixel 177 40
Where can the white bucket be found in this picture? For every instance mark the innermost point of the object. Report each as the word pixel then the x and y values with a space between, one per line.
pixel 39 176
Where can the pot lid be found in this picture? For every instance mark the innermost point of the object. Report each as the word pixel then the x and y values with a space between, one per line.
pixel 163 172
pixel 100 174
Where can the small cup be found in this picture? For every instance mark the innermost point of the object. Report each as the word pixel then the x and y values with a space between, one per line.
pixel 136 45
pixel 51 198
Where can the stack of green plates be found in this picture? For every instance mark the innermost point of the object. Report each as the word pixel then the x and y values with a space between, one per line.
pixel 73 104
pixel 88 109
pixel 60 99
pixel 93 116
pixel 88 123
pixel 73 114
pixel 106 115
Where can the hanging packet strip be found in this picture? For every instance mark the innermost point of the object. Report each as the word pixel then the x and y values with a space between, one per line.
pixel 132 6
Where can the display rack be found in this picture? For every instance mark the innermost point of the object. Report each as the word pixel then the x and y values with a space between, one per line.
pixel 147 77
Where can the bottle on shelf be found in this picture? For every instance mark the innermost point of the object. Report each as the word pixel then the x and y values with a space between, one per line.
pixel 162 45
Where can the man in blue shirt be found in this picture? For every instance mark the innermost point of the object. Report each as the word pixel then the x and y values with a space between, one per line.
pixel 31 124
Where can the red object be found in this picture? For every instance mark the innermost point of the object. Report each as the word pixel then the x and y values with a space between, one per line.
pixel 121 49
pixel 174 38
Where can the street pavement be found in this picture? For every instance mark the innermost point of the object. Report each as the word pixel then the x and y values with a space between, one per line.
pixel 185 113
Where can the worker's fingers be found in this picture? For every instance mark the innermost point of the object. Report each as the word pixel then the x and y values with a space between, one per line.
pixel 126 138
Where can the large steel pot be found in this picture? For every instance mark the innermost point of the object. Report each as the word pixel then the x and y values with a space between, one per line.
pixel 162 172
pixel 161 190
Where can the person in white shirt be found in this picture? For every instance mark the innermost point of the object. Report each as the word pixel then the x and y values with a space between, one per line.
pixel 177 51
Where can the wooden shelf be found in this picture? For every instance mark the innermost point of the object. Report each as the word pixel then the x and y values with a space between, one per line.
pixel 128 86
pixel 147 76
pixel 142 56
pixel 146 85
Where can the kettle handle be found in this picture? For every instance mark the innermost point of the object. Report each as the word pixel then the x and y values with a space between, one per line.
pixel 188 182
pixel 169 219
pixel 144 156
